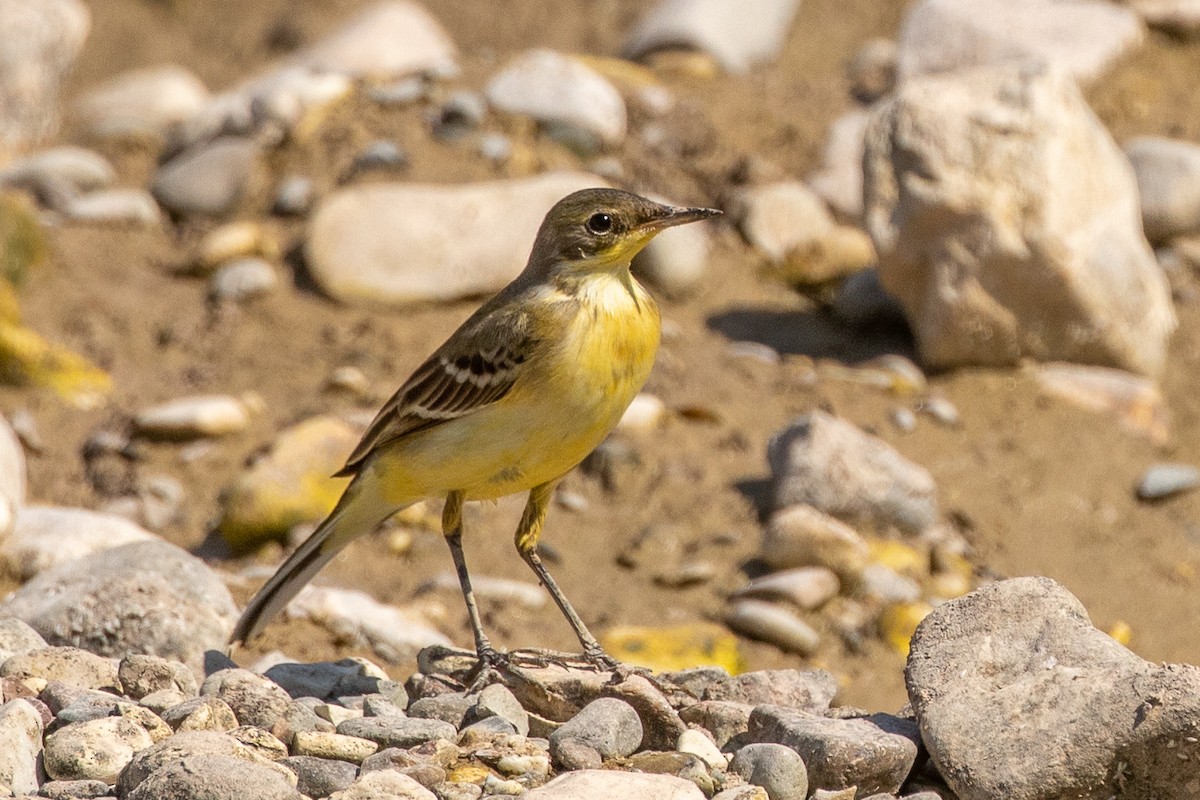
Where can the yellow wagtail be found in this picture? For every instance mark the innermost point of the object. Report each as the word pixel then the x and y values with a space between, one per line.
pixel 517 397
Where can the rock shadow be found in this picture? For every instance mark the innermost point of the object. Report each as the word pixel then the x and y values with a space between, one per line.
pixel 814 333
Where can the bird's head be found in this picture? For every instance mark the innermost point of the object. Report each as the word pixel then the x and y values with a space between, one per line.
pixel 597 230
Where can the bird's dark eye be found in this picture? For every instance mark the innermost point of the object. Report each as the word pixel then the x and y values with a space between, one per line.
pixel 599 223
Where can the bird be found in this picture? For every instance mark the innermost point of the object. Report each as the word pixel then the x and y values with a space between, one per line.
pixel 514 399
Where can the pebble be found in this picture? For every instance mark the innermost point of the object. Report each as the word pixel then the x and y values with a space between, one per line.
pixel 778 769
pixel 254 699
pixel 696 743
pixel 394 634
pixel 384 784
pixel 461 114
pixel 333 745
pixel 320 777
pixel 337 714
pixel 497 700
pixel 723 719
pixel 1168 179
pixel 450 707
pixel 904 419
pixel 661 725
pixel 114 206
pixel 403 92
pixel 388 39
pixel 749 793
pixel 839 179
pixel 646 412
pixel 95 750
pixel 142 103
pixel 1115 313
pixel 380 155
pixel 73 790
pixel 49 536
pixel 773 624
pixel 942 410
pixel 294 196
pixel 207 180
pixel 885 585
pixel 831 465
pixel 142 675
pixel 811 690
pixel 495 147
pixel 201 714
pixel 146 597
pixel 290 484
pixel 71 665
pixel 216 777
pixel 874 753
pixel 12 478
pixel 16 637
pixel 801 536
pixel 192 418
pixel 719 28
pixel 778 218
pixel 1134 401
pixel 232 241
pixel 1165 480
pixel 594 784
pixel 59 173
pixel 608 726
pixel 243 279
pixel 1082 39
pixel 560 91
pixel 260 742
pixel 21 732
pixel 401 732
pixel 398 243
pixel 807 587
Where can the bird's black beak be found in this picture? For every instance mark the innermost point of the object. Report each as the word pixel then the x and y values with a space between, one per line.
pixel 671 216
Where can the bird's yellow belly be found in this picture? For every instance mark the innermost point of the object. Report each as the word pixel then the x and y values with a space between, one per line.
pixel 556 414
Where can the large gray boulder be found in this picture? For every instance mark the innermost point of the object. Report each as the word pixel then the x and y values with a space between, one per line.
pixel 147 597
pixel 1018 696
pixel 1008 225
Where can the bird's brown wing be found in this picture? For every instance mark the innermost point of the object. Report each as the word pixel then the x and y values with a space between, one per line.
pixel 468 372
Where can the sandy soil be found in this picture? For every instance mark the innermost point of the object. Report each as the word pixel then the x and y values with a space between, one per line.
pixel 1038 487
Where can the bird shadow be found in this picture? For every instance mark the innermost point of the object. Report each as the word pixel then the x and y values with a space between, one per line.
pixel 814 333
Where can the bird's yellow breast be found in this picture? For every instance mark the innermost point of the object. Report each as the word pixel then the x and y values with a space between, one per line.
pixel 596 348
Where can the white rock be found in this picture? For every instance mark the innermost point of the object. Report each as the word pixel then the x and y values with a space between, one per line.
pixel 736 36
pixel 605 784
pixel 388 40
pixel 94 750
pixel 384 783
pixel 767 622
pixel 64 168
pixel 115 206
pixel 395 634
pixel 1168 177
pixel 209 179
pixel 1136 402
pixel 147 102
pixel 1007 224
pixel 807 587
pixel 780 217
pixel 839 179
pixel 21 733
pixel 41 41
pixel 1082 37
pixel 556 89
pixel 1179 17
pixel 12 477
pixel 193 417
pixel 243 279
pixel 16 637
pixel 645 413
pixel 694 742
pixel 403 243
pixel 46 536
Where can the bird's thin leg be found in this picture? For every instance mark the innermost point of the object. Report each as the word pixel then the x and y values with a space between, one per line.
pixel 452 530
pixel 528 533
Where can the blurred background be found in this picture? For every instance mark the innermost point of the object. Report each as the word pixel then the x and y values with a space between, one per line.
pixel 231 229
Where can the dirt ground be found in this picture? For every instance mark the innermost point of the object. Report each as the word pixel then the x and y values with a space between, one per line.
pixel 1038 486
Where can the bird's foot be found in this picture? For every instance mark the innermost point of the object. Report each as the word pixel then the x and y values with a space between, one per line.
pixel 490 668
pixel 602 661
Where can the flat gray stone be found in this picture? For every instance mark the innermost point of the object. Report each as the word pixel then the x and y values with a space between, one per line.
pixel 207 180
pixel 148 597
pixel 401 732
pixel 215 777
pixel 874 754
pixel 320 777
pixel 1018 695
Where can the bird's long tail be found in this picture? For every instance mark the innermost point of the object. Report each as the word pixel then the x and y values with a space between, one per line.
pixel 359 511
